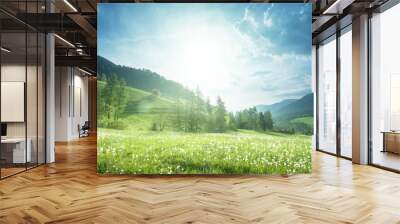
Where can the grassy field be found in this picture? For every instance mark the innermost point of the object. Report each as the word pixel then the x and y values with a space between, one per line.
pixel 303 120
pixel 241 152
pixel 138 150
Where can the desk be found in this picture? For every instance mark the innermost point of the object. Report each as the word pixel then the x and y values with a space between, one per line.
pixel 13 150
pixel 391 141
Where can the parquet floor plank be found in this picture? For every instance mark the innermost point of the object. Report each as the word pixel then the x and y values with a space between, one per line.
pixel 70 191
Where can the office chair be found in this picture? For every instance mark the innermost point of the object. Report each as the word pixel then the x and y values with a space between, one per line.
pixel 84 130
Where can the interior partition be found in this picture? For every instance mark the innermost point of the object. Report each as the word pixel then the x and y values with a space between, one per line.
pixel 22 98
pixel 15 152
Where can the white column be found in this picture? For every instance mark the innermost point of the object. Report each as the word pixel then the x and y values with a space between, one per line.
pixel 314 90
pixel 63 102
pixel 360 90
pixel 50 100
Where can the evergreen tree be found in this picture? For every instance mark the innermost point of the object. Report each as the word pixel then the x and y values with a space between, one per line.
pixel 199 111
pixel 208 106
pixel 189 120
pixel 210 121
pixel 178 121
pixel 268 120
pixel 112 100
pixel 110 96
pixel 101 102
pixel 253 121
pixel 238 120
pixel 121 98
pixel 220 121
pixel 262 122
pixel 231 121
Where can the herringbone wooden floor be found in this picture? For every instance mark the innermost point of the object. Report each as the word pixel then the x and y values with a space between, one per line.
pixel 70 191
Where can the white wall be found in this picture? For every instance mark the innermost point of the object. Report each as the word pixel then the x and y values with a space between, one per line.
pixel 12 73
pixel 81 89
pixel 71 87
pixel 62 81
pixel 34 126
pixel 16 73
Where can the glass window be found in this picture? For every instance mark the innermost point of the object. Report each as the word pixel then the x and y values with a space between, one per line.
pixel 346 94
pixel 41 98
pixel 385 89
pixel 14 153
pixel 22 91
pixel 31 97
pixel 327 96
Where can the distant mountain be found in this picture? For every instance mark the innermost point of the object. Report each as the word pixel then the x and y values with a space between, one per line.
pixel 302 107
pixel 290 108
pixel 274 107
pixel 142 79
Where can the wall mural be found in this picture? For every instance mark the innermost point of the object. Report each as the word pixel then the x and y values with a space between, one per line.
pixel 204 88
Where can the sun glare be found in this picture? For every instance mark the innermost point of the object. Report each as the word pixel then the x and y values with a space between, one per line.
pixel 204 59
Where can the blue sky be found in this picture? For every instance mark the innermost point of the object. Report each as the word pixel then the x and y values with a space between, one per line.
pixel 249 54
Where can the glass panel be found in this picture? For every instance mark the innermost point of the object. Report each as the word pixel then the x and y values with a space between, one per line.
pixel 23 90
pixel 13 86
pixel 385 93
pixel 41 99
pixel 32 87
pixel 346 94
pixel 31 98
pixel 327 96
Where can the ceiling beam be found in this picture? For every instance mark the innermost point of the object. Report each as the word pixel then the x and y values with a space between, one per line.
pixel 85 25
pixel 49 22
pixel 77 61
pixel 338 6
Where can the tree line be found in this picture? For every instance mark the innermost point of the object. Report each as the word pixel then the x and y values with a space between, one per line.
pixel 187 115
pixel 112 100
pixel 198 115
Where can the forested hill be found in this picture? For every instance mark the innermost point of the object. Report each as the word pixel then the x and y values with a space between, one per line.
pixel 273 108
pixel 289 109
pixel 143 79
pixel 302 107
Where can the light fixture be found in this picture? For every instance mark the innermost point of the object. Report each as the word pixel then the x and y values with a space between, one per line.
pixel 79 51
pixel 64 40
pixel 5 50
pixel 70 5
pixel 338 6
pixel 84 71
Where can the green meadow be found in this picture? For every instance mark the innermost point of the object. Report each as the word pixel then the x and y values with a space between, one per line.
pixel 239 152
pixel 142 132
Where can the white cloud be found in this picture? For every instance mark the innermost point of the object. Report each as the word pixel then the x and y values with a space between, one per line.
pixel 268 22
pixel 267 19
pixel 254 44
pixel 249 18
